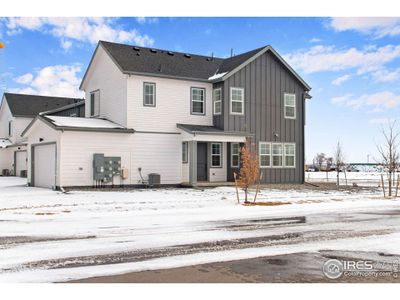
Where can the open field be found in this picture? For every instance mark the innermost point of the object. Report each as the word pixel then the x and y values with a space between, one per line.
pixel 49 236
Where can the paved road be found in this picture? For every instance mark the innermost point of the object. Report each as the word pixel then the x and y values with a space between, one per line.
pixel 300 267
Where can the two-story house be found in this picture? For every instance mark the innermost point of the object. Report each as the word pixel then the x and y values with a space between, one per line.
pixel 16 112
pixel 182 116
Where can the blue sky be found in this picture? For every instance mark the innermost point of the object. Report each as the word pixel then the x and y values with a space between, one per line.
pixel 352 64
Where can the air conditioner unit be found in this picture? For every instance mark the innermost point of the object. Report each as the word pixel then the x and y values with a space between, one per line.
pixel 154 179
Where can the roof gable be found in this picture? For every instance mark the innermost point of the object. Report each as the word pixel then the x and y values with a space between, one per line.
pixel 22 105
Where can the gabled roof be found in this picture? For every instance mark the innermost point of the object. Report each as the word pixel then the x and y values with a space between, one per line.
pixel 22 105
pixel 133 59
pixel 79 124
pixel 163 63
pixel 63 108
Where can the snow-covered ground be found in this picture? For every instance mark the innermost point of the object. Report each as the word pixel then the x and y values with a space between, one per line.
pixel 39 224
pixel 360 178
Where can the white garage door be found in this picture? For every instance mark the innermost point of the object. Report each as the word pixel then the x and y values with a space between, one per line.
pixel 20 162
pixel 44 165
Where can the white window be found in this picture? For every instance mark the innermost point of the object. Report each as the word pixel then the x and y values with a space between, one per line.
pixel 277 155
pixel 185 152
pixel 265 154
pixel 237 101
pixel 235 155
pixel 198 100
pixel 10 123
pixel 95 103
pixel 290 106
pixel 217 102
pixel 216 153
pixel 290 155
pixel 149 94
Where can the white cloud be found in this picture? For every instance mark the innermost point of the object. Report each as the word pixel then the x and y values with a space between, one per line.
pixel 89 30
pixel 341 79
pixel 315 40
pixel 24 79
pixel 59 80
pixel 328 58
pixel 376 26
pixel 386 75
pixel 146 20
pixel 379 101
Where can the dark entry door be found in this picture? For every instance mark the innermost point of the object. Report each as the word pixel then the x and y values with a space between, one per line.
pixel 201 161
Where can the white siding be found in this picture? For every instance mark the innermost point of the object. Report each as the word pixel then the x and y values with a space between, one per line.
pixel 154 153
pixel 219 174
pixel 18 124
pixel 6 158
pixel 172 104
pixel 105 76
pixel 48 134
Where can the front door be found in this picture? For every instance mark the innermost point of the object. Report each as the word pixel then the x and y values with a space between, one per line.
pixel 201 161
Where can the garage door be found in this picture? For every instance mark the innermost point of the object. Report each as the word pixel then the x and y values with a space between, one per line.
pixel 44 165
pixel 20 162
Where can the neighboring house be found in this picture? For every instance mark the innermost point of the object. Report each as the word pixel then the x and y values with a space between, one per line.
pixel 182 116
pixel 16 112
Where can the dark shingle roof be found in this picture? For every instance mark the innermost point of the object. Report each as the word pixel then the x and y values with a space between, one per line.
pixel 231 63
pixel 31 105
pixel 155 61
pixel 164 63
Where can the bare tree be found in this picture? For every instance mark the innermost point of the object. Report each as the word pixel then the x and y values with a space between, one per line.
pixel 339 161
pixel 389 155
pixel 319 160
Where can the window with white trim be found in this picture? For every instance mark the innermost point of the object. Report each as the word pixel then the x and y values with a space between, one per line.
pixel 10 124
pixel 198 96
pixel 290 106
pixel 149 94
pixel 277 155
pixel 216 155
pixel 217 101
pixel 237 101
pixel 185 152
pixel 95 103
pixel 289 154
pixel 265 154
pixel 235 155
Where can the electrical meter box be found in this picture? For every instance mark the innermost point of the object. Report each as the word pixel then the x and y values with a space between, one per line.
pixel 106 167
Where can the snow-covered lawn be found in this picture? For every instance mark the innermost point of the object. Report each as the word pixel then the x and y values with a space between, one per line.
pixel 40 224
pixel 360 178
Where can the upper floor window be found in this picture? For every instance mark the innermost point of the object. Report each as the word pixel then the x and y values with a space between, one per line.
pixel 149 94
pixel 198 96
pixel 290 106
pixel 95 103
pixel 10 128
pixel 185 152
pixel 237 101
pixel 216 153
pixel 217 102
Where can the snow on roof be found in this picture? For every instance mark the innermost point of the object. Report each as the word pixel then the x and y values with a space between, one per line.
pixel 4 142
pixel 217 76
pixel 82 122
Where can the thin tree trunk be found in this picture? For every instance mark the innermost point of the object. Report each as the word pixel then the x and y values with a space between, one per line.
pixel 258 187
pixel 383 186
pixel 345 176
pixel 337 177
pixel 237 192
pixel 397 185
pixel 390 184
